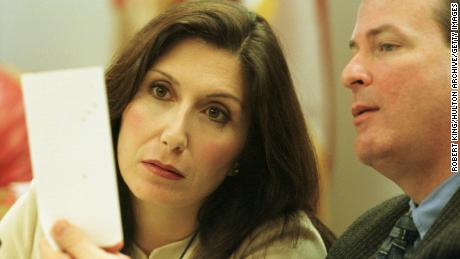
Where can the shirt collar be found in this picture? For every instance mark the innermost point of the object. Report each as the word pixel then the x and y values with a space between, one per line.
pixel 429 209
pixel 172 250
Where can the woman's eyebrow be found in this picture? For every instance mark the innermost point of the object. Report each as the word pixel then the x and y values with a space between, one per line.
pixel 226 95
pixel 213 95
pixel 170 77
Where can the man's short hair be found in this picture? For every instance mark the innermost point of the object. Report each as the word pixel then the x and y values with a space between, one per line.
pixel 442 17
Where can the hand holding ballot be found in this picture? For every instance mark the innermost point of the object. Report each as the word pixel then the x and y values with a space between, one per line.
pixel 72 162
pixel 76 245
pixel 71 148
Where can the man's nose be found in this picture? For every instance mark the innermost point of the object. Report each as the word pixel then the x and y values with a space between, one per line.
pixel 356 73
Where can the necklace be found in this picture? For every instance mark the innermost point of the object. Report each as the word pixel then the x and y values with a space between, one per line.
pixel 188 245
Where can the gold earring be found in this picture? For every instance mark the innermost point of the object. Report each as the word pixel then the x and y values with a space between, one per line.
pixel 235 170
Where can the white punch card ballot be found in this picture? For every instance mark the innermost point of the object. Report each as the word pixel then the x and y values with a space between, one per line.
pixel 71 150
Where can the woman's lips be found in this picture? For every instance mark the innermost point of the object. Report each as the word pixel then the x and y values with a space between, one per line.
pixel 164 171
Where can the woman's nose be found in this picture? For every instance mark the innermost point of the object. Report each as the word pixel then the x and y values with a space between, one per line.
pixel 175 136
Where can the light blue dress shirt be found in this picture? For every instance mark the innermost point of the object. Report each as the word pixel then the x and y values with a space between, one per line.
pixel 429 209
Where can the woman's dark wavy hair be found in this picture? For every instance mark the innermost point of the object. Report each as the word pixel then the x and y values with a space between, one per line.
pixel 278 172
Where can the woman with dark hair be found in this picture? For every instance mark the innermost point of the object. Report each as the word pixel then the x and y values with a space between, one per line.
pixel 213 153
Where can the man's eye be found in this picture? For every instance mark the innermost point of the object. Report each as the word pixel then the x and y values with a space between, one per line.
pixel 386 47
pixel 217 114
pixel 161 91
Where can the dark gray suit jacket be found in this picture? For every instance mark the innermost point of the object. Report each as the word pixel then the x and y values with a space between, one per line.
pixel 366 234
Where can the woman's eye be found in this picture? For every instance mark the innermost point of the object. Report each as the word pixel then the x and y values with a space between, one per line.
pixel 217 114
pixel 161 92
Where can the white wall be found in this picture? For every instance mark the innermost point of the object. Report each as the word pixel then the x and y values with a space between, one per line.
pixel 53 34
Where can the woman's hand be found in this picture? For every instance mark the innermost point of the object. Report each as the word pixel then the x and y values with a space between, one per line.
pixel 75 244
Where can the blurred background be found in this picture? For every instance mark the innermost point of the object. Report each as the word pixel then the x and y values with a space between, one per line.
pixel 59 34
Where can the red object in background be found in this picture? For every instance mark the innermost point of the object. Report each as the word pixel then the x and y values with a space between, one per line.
pixel 15 163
